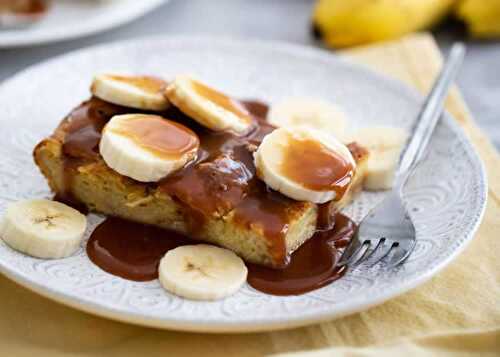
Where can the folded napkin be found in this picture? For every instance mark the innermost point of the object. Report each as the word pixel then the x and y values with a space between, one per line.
pixel 457 313
pixel 467 342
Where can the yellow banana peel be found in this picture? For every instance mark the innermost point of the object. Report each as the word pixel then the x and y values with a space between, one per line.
pixel 342 23
pixel 482 17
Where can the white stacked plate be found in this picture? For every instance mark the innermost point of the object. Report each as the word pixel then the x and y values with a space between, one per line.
pixel 69 19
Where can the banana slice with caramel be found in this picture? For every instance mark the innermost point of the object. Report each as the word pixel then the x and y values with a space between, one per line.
pixel 147 147
pixel 208 106
pixel 140 92
pixel 305 164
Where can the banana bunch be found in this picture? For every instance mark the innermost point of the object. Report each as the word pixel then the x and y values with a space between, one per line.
pixel 341 23
pixel 481 16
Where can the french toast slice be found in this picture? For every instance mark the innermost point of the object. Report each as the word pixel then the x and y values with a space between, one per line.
pixel 261 226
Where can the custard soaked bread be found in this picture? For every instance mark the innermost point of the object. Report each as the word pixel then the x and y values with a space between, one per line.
pixel 217 198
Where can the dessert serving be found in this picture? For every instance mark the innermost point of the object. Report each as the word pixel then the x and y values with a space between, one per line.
pixel 203 190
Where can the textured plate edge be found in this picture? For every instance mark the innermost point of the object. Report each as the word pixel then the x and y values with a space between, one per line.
pixel 261 324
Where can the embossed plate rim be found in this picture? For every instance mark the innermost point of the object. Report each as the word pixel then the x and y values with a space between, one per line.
pixel 306 316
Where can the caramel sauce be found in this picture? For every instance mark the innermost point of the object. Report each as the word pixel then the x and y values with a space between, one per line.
pixel 311 267
pixel 266 211
pixel 357 152
pixel 257 109
pixel 221 100
pixel 69 200
pixel 80 133
pixel 164 138
pixel 316 167
pixel 326 216
pixel 147 83
pixel 221 180
pixel 83 127
pixel 23 7
pixel 131 250
pixel 211 187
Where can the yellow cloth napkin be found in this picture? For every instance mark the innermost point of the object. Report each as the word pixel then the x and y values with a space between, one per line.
pixel 457 313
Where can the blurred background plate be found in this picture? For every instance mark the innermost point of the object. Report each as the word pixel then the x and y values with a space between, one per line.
pixel 69 19
pixel 446 195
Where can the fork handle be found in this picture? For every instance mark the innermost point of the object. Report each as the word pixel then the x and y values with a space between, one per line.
pixel 429 115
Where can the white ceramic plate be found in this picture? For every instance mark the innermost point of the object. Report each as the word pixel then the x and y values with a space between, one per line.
pixel 446 195
pixel 68 19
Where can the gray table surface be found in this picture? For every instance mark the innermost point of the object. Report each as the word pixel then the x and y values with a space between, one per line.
pixel 284 20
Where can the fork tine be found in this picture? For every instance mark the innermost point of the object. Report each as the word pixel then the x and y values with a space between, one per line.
pixel 358 257
pixel 382 252
pixel 401 254
pixel 375 249
pixel 351 249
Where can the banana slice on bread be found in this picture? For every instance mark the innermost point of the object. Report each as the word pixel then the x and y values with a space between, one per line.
pixel 43 228
pixel 305 164
pixel 147 147
pixel 208 106
pixel 385 145
pixel 202 272
pixel 140 92
pixel 312 112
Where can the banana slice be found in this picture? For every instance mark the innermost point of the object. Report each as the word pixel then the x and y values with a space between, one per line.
pixel 315 113
pixel 141 92
pixel 385 145
pixel 208 106
pixel 202 272
pixel 305 164
pixel 147 147
pixel 43 228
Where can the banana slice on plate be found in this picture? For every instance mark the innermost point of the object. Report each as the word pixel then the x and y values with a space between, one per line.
pixel 208 106
pixel 147 147
pixel 385 145
pixel 305 164
pixel 202 272
pixel 43 228
pixel 315 113
pixel 140 92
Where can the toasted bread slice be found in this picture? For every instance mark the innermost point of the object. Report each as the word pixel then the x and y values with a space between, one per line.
pixel 265 238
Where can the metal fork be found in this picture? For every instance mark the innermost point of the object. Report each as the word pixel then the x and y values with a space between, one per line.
pixel 387 230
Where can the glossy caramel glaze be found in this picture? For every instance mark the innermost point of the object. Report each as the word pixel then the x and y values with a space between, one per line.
pixel 82 134
pixel 221 100
pixel 146 83
pixel 28 7
pixel 358 152
pixel 220 180
pixel 83 127
pixel 160 136
pixel 316 167
pixel 311 267
pixel 133 251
